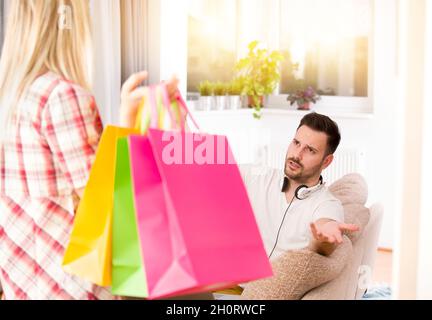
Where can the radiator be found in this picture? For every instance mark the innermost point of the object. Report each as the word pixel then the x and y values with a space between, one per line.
pixel 260 150
pixel 345 161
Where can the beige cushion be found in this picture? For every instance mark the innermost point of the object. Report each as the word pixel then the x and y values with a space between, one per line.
pixel 351 188
pixel 344 285
pixel 298 272
pixel 352 191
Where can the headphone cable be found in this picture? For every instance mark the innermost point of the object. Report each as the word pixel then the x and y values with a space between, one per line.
pixel 296 195
pixel 280 228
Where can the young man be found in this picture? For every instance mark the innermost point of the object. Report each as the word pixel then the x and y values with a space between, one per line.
pixel 293 208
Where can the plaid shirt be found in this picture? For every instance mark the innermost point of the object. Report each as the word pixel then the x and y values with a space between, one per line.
pixel 46 156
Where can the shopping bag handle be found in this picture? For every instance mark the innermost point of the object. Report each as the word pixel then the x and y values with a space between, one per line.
pixel 155 116
pixel 139 122
pixel 150 99
pixel 182 104
pixel 167 103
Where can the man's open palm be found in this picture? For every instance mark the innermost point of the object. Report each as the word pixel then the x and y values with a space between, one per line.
pixel 332 231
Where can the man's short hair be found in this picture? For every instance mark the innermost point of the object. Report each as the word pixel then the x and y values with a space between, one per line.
pixel 322 123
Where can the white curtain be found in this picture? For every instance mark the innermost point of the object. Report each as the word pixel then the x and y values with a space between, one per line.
pixel 3 9
pixel 134 39
pixel 107 58
pixel 120 46
pixel 1 22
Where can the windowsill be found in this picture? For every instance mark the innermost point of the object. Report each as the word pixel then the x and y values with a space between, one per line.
pixel 286 112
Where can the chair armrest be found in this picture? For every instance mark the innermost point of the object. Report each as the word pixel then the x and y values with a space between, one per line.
pixel 298 272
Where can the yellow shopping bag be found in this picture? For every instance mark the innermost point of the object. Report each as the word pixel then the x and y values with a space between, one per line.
pixel 88 254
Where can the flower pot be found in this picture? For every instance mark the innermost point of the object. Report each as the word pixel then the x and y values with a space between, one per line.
pixel 234 102
pixel 244 102
pixel 305 106
pixel 221 103
pixel 251 102
pixel 207 103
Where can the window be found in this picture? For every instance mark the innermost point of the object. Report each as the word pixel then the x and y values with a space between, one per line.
pixel 212 41
pixel 326 44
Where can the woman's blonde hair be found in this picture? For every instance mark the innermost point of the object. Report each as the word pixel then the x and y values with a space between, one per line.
pixel 44 35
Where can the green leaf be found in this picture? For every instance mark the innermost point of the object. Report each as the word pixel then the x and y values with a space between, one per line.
pixel 260 69
pixel 253 45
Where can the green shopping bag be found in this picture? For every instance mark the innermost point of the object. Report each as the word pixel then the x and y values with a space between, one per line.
pixel 128 274
pixel 128 271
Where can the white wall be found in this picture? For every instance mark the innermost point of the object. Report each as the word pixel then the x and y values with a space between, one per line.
pixel 424 290
pixel 382 134
pixel 413 255
pixel 277 128
pixel 375 135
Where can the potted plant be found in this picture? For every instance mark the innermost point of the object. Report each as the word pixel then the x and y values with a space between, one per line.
pixel 235 88
pixel 220 91
pixel 304 98
pixel 260 73
pixel 206 100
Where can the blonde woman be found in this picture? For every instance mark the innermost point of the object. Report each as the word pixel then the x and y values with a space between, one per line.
pixel 50 129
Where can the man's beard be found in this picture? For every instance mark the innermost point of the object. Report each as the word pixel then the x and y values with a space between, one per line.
pixel 301 176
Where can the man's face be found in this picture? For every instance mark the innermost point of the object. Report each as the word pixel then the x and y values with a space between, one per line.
pixel 307 155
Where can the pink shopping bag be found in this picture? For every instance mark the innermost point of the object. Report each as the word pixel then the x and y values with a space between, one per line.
pixel 196 225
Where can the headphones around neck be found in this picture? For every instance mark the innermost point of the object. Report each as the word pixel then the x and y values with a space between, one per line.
pixel 301 193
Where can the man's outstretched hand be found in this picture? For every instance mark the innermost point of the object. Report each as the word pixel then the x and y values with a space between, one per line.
pixel 328 234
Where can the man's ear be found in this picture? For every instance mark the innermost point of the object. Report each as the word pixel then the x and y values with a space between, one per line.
pixel 327 161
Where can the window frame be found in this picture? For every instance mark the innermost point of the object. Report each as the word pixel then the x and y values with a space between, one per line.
pixel 361 105
pixel 337 103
